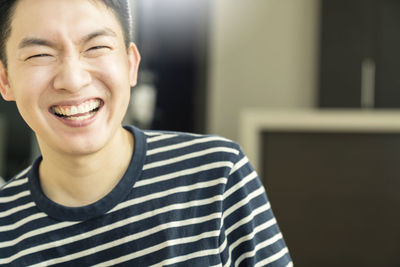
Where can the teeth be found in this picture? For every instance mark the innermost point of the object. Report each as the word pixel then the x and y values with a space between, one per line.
pixel 74 110
pixel 80 118
pixel 83 108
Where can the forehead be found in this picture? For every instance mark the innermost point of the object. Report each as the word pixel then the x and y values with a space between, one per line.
pixel 57 17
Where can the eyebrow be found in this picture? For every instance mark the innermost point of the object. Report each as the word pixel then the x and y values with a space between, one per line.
pixel 33 41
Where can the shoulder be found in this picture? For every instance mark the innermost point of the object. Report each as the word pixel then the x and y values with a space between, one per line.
pixel 181 143
pixel 187 153
pixel 13 195
pixel 14 185
pixel 176 140
pixel 17 179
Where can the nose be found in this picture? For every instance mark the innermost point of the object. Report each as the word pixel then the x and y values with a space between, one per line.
pixel 71 75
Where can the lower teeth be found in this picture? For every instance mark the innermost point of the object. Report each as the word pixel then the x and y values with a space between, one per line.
pixel 80 118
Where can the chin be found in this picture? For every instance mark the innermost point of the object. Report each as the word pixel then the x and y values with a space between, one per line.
pixel 82 147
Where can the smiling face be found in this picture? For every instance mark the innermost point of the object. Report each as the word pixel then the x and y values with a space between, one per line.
pixel 69 72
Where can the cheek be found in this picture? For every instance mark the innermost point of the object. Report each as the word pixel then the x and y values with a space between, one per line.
pixel 32 82
pixel 28 89
pixel 115 67
pixel 114 75
pixel 40 77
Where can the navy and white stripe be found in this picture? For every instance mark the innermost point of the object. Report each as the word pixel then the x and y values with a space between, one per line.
pixel 185 200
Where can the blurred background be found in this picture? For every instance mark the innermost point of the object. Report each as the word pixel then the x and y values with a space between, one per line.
pixel 207 62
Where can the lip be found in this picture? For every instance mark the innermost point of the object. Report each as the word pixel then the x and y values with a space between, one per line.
pixel 77 123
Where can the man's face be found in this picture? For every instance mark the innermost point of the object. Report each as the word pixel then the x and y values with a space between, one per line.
pixel 69 72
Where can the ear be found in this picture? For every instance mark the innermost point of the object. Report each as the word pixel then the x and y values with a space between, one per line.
pixel 134 60
pixel 5 88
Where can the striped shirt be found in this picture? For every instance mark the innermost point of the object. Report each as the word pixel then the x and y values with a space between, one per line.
pixel 185 200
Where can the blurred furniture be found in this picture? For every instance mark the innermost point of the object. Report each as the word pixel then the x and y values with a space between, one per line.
pixel 172 38
pixel 359 59
pixel 333 180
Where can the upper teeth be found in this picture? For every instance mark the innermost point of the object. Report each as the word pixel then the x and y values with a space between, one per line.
pixel 78 109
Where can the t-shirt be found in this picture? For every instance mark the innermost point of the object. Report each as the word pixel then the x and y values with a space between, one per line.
pixel 185 200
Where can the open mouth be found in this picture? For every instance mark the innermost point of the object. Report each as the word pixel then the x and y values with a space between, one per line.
pixel 79 112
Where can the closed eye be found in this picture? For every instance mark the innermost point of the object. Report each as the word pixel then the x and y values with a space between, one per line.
pixel 98 47
pixel 38 56
pixel 97 51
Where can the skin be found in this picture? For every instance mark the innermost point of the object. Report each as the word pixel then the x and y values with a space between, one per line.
pixel 64 59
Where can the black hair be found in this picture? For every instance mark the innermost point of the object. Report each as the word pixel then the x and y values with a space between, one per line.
pixel 121 9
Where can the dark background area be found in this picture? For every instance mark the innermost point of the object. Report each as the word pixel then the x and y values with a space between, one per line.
pixel 172 37
pixel 335 195
pixel 353 31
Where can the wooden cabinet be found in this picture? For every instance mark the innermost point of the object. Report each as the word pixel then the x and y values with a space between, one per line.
pixel 360 59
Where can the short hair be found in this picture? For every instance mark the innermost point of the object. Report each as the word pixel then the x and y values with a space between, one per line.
pixel 120 8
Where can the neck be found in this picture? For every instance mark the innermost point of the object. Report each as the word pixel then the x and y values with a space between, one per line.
pixel 79 180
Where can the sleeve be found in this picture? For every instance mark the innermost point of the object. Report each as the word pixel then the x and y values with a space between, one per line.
pixel 250 235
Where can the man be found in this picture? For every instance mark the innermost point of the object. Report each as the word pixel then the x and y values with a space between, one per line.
pixel 102 194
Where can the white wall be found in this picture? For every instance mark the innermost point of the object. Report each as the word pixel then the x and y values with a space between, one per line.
pixel 263 54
